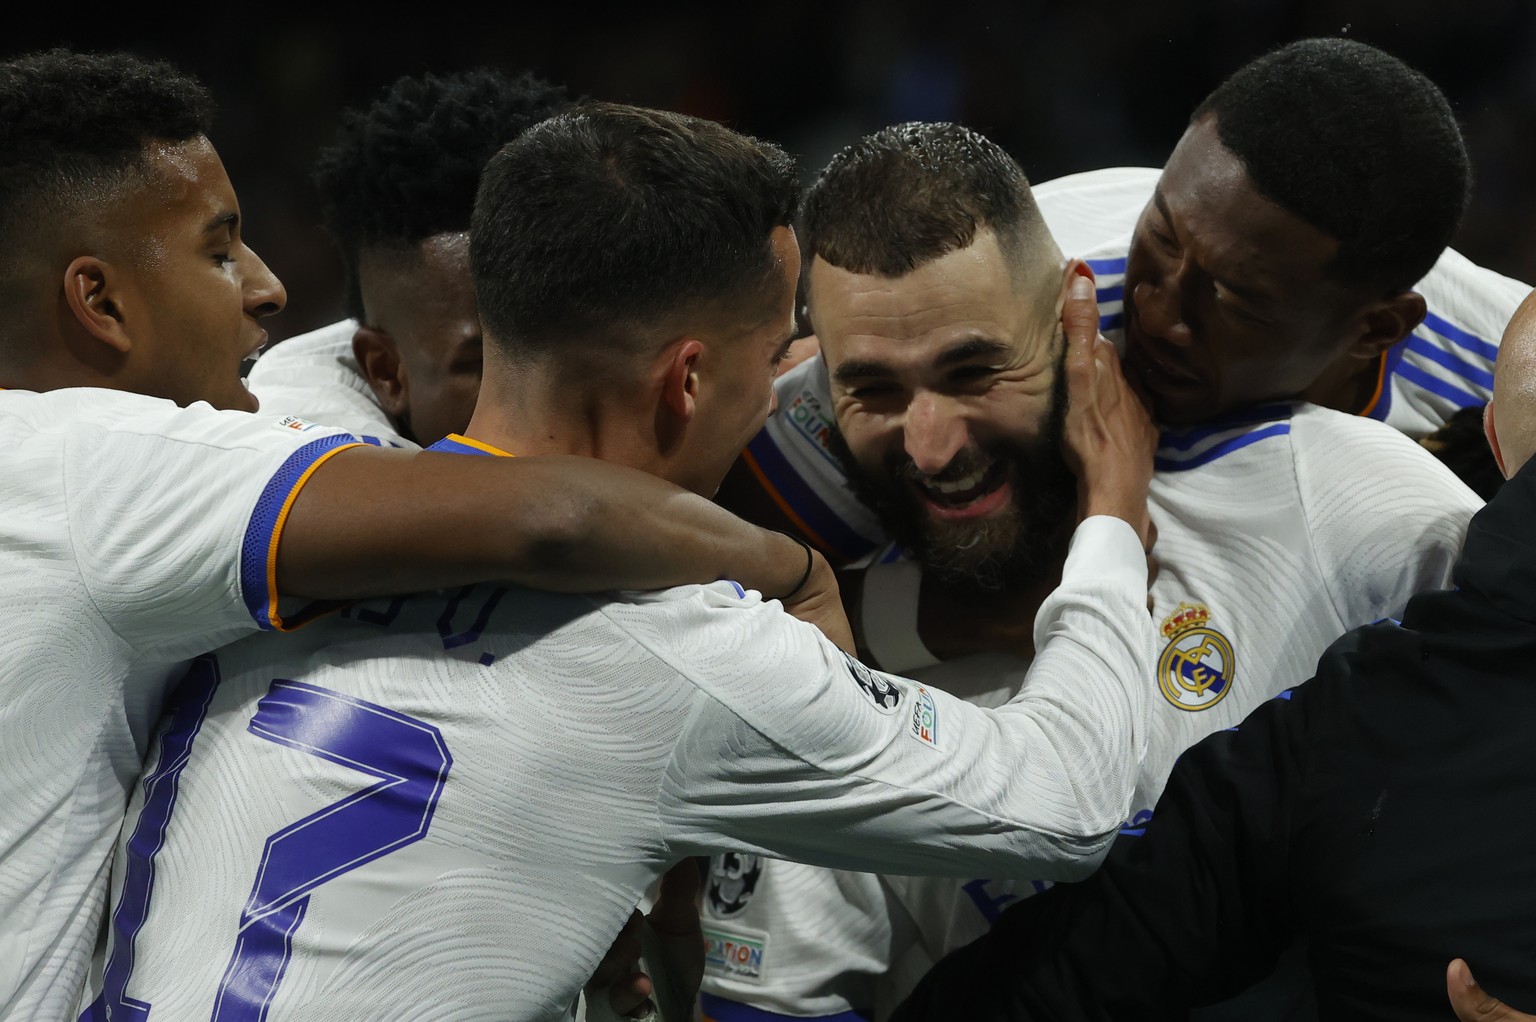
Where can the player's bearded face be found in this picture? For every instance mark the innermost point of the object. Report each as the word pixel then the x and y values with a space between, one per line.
pixel 1019 545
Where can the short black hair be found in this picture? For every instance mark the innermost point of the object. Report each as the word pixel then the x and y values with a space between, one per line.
pixel 611 218
pixel 1357 144
pixel 74 125
pixel 910 193
pixel 406 167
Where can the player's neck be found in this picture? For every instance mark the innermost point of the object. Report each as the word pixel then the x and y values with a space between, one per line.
pixel 1349 385
pixel 536 417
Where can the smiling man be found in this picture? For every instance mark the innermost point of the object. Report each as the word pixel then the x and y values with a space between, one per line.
pixel 1322 182
pixel 936 289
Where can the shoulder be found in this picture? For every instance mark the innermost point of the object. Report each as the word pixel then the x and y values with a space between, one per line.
pixel 1086 211
pixel 329 346
pixel 116 418
pixel 1469 305
pixel 1222 439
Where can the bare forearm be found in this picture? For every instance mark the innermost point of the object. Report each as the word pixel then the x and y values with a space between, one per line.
pixel 373 522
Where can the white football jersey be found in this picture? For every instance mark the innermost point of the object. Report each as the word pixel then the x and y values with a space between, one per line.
pixel 1446 364
pixel 135 535
pixel 445 806
pixel 316 375
pixel 1278 529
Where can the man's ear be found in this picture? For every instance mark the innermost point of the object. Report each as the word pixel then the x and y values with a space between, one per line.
pixel 1491 431
pixel 679 388
pixel 93 296
pixel 1075 268
pixel 1383 323
pixel 380 362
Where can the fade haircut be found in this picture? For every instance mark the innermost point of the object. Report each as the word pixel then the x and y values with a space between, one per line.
pixel 406 168
pixel 73 131
pixel 911 193
pixel 1357 144
pixel 602 223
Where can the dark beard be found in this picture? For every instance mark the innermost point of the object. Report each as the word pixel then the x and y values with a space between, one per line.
pixel 1019 548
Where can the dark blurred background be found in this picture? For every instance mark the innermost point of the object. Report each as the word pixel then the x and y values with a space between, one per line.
pixel 1064 87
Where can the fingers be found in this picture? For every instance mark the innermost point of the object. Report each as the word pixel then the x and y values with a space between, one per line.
pixel 1080 312
pixel 630 997
pixel 1472 1003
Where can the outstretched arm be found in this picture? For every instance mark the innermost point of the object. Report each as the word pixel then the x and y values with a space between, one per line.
pixel 374 521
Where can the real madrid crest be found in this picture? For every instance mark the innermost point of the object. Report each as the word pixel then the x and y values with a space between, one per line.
pixel 1196 669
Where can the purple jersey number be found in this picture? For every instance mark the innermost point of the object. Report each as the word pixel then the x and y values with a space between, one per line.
pixel 408 758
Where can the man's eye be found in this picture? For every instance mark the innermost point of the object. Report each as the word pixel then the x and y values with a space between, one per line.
pixel 872 390
pixel 971 374
pixel 222 258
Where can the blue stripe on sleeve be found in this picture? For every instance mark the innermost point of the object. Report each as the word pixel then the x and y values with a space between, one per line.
pixel 1456 335
pixel 1435 385
pixel 265 519
pixel 1221 449
pixel 1106 265
pixel 1474 375
pixel 1113 322
pixel 1110 294
pixel 804 501
pixel 721 1010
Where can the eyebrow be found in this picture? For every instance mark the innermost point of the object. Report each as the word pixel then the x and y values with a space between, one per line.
pixel 965 351
pixel 1242 291
pixel 229 220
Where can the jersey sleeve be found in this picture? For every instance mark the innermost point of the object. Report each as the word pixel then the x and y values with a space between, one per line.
pixel 175 515
pixel 1386 518
pixel 791 459
pixel 1194 911
pixel 798 751
pixel 1446 362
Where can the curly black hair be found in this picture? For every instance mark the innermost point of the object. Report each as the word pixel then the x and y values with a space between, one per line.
pixel 75 124
pixel 406 168
pixel 1357 144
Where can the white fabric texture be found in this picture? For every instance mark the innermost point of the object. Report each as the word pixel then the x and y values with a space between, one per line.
pixel 1320 522
pixel 592 744
pixel 121 553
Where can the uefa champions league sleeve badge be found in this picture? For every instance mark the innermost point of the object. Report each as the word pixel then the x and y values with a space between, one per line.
pixel 1197 667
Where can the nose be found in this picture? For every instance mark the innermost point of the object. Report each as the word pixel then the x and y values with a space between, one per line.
pixel 934 431
pixel 1160 311
pixel 264 293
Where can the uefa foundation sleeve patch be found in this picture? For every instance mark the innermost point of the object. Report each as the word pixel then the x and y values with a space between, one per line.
pixel 737 953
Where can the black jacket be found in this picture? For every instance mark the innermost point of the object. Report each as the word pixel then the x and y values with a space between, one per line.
pixel 1385 811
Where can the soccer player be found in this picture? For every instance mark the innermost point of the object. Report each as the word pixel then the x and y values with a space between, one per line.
pixel 461 795
pixel 1266 261
pixel 141 527
pixel 934 286
pixel 398 187
pixel 1354 811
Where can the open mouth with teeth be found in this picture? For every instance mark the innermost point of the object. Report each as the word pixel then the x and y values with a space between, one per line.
pixel 977 493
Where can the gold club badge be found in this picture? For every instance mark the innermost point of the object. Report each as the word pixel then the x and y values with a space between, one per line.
pixel 1196 669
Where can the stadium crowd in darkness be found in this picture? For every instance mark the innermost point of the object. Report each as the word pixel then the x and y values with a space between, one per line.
pixel 1066 88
